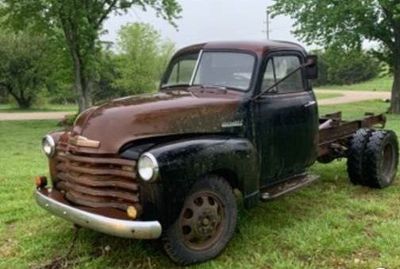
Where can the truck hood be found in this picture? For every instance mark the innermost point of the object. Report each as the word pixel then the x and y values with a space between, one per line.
pixel 195 111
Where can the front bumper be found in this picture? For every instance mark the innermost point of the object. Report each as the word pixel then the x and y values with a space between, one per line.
pixel 111 226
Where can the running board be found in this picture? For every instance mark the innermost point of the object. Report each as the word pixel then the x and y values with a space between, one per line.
pixel 290 185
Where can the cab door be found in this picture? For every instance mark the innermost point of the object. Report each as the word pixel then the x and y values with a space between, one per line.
pixel 286 120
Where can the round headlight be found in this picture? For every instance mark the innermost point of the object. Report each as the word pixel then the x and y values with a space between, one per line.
pixel 148 167
pixel 48 146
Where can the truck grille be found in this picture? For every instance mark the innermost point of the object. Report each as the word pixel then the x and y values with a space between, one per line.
pixel 97 182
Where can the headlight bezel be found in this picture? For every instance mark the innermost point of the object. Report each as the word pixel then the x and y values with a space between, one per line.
pixel 52 146
pixel 155 169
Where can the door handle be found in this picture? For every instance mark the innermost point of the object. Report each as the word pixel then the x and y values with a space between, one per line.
pixel 308 104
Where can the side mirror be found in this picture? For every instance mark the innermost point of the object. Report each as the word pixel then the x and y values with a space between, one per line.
pixel 312 67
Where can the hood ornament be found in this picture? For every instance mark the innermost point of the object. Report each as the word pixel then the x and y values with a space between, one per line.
pixel 82 141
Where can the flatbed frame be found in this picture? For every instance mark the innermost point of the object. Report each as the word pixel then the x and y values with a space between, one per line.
pixel 334 133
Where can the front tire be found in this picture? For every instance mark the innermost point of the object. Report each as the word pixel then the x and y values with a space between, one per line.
pixel 206 223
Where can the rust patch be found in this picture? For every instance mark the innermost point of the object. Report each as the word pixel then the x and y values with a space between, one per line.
pixel 189 110
pixel 97 181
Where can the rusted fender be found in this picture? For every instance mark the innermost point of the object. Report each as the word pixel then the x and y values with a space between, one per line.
pixel 185 161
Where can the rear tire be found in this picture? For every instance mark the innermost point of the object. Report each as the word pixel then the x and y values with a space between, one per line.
pixel 355 157
pixel 205 225
pixel 381 159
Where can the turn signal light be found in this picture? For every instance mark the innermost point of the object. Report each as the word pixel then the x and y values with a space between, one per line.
pixel 40 181
pixel 132 212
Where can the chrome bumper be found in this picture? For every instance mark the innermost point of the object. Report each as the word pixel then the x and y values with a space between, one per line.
pixel 115 227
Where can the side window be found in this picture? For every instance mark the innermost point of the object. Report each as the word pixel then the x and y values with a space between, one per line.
pixel 278 67
pixel 283 66
pixel 182 70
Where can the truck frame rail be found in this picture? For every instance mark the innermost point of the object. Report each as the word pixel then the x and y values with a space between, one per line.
pixel 334 133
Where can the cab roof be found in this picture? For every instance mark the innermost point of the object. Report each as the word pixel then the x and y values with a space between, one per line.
pixel 257 47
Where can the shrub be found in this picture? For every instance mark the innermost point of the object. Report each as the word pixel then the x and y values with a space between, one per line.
pixel 338 66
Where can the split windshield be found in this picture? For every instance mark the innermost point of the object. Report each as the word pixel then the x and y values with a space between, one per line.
pixel 232 70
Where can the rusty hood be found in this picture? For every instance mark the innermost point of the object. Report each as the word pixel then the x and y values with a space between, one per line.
pixel 195 111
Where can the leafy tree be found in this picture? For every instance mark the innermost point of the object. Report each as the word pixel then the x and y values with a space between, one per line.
pixel 108 74
pixel 143 58
pixel 348 24
pixel 23 69
pixel 345 66
pixel 79 23
pixel 136 67
pixel 60 81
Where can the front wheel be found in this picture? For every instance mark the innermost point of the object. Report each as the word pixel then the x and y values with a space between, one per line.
pixel 206 223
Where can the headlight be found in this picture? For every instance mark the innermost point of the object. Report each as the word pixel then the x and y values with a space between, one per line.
pixel 148 167
pixel 48 146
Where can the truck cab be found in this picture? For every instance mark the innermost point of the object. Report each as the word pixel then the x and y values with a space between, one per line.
pixel 228 116
pixel 274 121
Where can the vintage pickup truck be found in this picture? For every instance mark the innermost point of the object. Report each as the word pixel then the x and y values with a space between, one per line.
pixel 229 118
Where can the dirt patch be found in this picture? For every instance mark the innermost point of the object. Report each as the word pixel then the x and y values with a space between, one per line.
pixel 352 96
pixel 33 116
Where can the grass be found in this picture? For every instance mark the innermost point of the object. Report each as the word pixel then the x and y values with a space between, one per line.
pixel 11 108
pixel 330 224
pixel 356 110
pixel 376 84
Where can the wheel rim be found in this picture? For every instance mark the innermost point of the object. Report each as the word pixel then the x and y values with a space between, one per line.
pixel 201 221
pixel 388 162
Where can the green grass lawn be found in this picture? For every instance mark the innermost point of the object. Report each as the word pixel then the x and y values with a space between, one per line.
pixel 357 110
pixel 330 224
pixel 10 108
pixel 377 84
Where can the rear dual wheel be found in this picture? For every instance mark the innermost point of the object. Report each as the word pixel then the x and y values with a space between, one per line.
pixel 205 225
pixel 373 158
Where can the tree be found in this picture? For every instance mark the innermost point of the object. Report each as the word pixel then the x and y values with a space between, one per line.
pixel 142 58
pixel 348 24
pixel 108 74
pixel 345 66
pixel 23 72
pixel 136 67
pixel 80 23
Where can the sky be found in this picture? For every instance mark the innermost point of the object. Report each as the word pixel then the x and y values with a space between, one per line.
pixel 210 20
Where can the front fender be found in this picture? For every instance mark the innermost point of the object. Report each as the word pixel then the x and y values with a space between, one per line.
pixel 185 161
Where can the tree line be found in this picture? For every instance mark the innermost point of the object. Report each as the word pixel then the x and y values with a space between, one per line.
pixel 75 28
pixel 32 68
pixel 54 46
pixel 346 25
pixel 338 66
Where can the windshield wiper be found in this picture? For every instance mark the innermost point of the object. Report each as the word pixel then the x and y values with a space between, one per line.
pixel 204 86
pixel 167 87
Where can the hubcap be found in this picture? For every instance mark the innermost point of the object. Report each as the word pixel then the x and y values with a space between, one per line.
pixel 388 163
pixel 201 220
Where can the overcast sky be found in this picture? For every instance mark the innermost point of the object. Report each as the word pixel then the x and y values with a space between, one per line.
pixel 208 20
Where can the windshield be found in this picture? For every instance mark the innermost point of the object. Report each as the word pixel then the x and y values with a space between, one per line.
pixel 222 69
